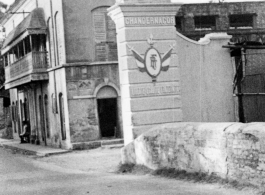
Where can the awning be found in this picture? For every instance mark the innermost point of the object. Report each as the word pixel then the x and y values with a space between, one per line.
pixel 34 23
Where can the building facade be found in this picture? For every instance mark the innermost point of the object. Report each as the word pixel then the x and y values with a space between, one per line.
pixel 62 72
pixel 4 94
pixel 245 21
pixel 61 69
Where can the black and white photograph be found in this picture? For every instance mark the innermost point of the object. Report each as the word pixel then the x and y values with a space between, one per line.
pixel 132 97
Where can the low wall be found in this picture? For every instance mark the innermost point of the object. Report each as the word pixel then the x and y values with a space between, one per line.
pixel 206 74
pixel 230 150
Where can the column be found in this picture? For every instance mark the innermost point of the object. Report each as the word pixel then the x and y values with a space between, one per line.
pixel 148 64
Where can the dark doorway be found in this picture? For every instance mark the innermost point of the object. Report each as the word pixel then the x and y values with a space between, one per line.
pixel 62 119
pixel 107 112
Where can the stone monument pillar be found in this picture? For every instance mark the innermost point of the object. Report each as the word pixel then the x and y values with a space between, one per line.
pixel 148 64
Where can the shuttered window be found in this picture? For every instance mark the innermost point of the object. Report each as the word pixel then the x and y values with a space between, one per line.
pixel 104 35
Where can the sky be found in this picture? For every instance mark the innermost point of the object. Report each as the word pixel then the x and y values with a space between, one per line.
pixel 183 1
pixel 8 2
pixel 206 1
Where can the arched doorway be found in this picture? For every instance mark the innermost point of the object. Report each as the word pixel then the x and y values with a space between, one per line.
pixel 107 112
pixel 62 118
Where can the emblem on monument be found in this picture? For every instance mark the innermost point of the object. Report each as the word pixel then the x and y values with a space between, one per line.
pixel 152 62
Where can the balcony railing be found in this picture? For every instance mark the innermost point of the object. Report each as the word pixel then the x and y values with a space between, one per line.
pixel 33 62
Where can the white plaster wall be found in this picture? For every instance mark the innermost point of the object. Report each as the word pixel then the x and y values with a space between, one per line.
pixel 206 79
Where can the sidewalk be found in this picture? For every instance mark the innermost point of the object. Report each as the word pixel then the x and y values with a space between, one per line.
pixel 31 149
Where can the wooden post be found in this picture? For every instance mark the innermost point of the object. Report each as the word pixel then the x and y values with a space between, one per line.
pixel 24 47
pixel 8 58
pixel 4 60
pixel 30 41
pixel 18 53
pixel 13 56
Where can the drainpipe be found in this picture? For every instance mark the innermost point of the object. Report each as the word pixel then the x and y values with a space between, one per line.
pixel 55 88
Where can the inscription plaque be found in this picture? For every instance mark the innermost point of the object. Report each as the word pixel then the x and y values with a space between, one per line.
pixel 150 21
pixel 155 90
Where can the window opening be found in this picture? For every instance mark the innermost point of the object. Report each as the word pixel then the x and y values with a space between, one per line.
pixel 104 35
pixel 205 22
pixel 179 23
pixel 241 21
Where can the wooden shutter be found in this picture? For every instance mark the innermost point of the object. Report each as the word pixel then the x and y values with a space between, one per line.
pixel 112 43
pixel 104 35
pixel 99 26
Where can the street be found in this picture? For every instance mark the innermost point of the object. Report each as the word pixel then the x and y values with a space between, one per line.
pixel 45 176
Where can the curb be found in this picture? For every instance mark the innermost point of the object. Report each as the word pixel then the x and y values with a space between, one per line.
pixel 40 151
pixel 24 151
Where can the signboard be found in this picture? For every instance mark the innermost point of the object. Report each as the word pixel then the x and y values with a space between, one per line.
pixel 150 21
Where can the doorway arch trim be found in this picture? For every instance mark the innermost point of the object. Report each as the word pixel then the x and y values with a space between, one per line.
pixel 110 84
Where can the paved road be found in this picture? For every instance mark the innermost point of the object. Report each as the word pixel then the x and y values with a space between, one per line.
pixel 26 176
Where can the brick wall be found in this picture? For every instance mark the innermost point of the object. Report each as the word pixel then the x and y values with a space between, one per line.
pixel 222 11
pixel 230 150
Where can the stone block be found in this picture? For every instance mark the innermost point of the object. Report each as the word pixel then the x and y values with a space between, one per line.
pixel 137 77
pixel 150 90
pixel 156 117
pixel 152 103
pixel 155 89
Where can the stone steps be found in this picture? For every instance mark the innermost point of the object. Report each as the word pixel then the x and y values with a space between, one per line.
pixel 111 143
pixel 112 146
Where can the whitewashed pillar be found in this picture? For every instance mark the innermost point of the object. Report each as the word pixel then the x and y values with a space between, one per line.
pixel 148 64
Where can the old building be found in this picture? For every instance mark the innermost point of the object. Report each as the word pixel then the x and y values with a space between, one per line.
pixel 62 72
pixel 4 94
pixel 245 21
pixel 61 69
